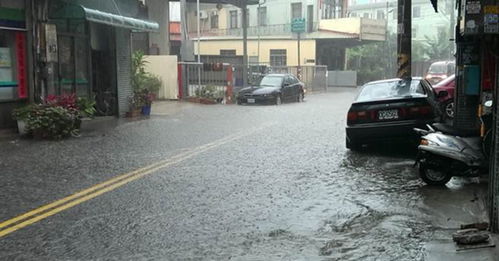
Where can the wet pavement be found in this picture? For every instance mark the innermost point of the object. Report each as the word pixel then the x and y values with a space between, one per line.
pixel 281 187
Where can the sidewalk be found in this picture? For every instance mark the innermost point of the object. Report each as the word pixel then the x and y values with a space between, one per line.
pixel 462 206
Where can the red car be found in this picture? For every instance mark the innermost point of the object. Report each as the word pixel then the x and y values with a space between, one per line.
pixel 447 101
pixel 439 71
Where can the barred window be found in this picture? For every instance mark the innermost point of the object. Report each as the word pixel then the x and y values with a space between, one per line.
pixel 278 57
pixel 229 52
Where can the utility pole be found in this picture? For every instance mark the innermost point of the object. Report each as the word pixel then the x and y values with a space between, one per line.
pixel 452 29
pixel 404 35
pixel 299 56
pixel 244 8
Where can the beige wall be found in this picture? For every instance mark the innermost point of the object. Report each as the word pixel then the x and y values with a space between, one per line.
pixel 213 47
pixel 164 66
pixel 345 25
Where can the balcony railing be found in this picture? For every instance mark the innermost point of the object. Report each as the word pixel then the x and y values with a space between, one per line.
pixel 253 31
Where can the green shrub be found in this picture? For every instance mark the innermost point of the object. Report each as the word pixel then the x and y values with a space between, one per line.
pixel 52 122
pixel 209 92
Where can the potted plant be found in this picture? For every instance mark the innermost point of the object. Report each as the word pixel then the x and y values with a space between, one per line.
pixel 21 115
pixel 134 106
pixel 144 84
pixel 52 122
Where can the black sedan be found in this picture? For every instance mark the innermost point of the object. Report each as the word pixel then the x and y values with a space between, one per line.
pixel 273 89
pixel 388 110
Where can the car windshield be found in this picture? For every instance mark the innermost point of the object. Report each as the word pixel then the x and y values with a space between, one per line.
pixel 390 90
pixel 438 68
pixel 271 81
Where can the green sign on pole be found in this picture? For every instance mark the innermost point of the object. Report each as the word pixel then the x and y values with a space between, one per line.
pixel 298 25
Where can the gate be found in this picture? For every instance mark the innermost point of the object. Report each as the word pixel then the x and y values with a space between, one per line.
pixel 313 76
pixel 206 80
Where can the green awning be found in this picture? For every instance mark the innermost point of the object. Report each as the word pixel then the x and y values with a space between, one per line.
pixel 71 11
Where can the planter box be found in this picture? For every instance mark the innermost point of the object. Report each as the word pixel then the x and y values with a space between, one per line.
pixel 21 127
pixel 201 100
pixel 133 114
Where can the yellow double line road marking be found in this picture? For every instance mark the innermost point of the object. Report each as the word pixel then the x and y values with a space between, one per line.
pixel 55 207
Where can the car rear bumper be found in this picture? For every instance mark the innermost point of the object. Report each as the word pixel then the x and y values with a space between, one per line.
pixel 384 131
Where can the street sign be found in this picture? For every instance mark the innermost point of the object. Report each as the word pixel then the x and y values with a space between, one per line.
pixel 298 25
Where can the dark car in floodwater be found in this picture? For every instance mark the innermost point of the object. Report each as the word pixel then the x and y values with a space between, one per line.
pixel 273 89
pixel 390 109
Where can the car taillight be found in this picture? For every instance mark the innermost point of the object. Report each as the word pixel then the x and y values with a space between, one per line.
pixel 419 111
pixel 358 116
pixel 352 116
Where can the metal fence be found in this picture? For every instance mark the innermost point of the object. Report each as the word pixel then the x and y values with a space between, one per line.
pixel 213 79
pixel 313 76
pixel 204 80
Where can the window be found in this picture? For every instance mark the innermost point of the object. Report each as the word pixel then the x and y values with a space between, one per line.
pixel 10 63
pixel 296 10
pixel 230 52
pixel 262 16
pixel 278 57
pixel 233 19
pixel 353 15
pixel 214 20
pixel 416 12
pixel 332 9
pixel 380 15
pixel 366 15
pixel 414 32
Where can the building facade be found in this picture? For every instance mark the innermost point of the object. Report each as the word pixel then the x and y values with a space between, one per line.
pixel 426 23
pixel 54 47
pixel 328 32
pixel 15 57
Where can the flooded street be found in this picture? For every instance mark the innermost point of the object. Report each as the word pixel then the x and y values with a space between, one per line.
pixel 270 183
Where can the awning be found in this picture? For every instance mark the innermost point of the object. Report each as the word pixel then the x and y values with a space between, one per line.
pixel 72 11
pixel 100 17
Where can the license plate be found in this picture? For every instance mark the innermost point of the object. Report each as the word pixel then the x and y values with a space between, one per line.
pixel 251 100
pixel 388 114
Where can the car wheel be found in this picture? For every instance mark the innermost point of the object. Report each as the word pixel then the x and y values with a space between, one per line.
pixel 278 100
pixel 448 109
pixel 300 97
pixel 434 177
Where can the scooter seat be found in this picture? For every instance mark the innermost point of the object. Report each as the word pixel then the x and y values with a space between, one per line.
pixel 455 132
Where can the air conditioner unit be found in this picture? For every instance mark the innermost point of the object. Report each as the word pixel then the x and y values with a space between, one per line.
pixel 203 15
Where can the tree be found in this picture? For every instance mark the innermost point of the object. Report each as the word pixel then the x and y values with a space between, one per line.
pixel 438 47
pixel 374 61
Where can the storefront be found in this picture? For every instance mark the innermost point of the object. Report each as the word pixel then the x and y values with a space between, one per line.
pixel 94 51
pixel 13 58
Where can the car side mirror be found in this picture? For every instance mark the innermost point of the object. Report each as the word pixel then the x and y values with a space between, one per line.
pixel 442 94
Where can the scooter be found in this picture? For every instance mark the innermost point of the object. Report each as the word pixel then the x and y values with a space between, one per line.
pixel 444 153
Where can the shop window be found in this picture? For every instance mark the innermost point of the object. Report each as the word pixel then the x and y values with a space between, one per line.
pixel 12 65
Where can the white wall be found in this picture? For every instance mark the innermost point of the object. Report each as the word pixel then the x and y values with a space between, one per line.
pixel 164 66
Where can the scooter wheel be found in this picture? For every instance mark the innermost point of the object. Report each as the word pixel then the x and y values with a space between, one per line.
pixel 434 177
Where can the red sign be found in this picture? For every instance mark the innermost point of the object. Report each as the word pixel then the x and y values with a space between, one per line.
pixel 22 88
